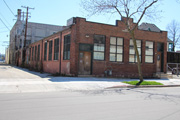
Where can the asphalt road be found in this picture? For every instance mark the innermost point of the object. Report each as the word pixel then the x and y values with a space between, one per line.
pixel 108 104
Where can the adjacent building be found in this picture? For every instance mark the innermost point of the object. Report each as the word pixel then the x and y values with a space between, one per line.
pixel 89 48
pixel 35 32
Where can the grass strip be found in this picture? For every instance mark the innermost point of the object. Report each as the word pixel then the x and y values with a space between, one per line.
pixel 143 83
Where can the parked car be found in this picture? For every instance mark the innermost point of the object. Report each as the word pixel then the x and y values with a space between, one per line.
pixel 174 70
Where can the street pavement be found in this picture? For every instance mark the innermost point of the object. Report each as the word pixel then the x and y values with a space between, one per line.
pixel 106 104
pixel 28 95
pixel 19 80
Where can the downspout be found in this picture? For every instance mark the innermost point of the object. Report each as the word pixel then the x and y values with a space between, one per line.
pixel 60 42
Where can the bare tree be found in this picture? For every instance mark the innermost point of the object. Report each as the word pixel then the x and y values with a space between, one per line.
pixel 173 29
pixel 124 8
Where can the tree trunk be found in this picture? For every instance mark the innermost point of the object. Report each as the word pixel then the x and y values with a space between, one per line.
pixel 138 60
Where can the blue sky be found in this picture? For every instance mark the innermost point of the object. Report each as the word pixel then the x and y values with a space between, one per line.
pixel 57 12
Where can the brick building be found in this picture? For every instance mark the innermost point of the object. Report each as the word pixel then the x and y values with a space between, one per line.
pixel 88 48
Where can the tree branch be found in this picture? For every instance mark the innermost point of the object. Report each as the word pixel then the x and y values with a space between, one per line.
pixel 144 13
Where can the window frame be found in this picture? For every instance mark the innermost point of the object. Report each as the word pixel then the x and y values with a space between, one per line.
pixel 99 44
pixel 116 49
pixel 38 54
pixel 135 56
pixel 35 57
pixel 29 54
pixel 56 49
pixel 45 51
pixel 67 45
pixel 50 50
pixel 33 53
pixel 152 52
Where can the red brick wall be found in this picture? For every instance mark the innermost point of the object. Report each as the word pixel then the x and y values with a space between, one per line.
pixel 124 69
pixel 51 66
pixel 65 64
pixel 78 32
pixel 35 64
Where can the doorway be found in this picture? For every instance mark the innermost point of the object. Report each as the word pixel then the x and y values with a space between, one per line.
pixel 85 59
pixel 160 56
pixel 84 63
pixel 158 61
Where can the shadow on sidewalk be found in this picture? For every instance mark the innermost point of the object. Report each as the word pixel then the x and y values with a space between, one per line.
pixel 77 79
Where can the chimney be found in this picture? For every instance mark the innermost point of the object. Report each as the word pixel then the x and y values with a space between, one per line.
pixel 19 14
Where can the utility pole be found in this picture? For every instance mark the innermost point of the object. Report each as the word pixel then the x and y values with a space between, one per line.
pixel 25 35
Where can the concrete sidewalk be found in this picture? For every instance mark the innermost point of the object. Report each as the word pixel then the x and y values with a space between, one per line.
pixel 21 80
pixel 49 84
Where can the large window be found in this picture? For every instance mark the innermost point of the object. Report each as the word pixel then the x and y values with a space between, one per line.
pixel 32 53
pixel 66 53
pixel 35 53
pixel 50 50
pixel 99 47
pixel 149 52
pixel 56 48
pixel 116 49
pixel 38 55
pixel 45 51
pixel 29 54
pixel 132 54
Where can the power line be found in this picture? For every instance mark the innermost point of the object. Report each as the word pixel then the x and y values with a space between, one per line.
pixel 5 19
pixel 5 24
pixel 3 31
pixel 8 7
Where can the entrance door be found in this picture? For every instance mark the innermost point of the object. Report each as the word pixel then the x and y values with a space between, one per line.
pixel 159 61
pixel 84 63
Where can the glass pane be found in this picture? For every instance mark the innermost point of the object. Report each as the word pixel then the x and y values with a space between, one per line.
pixel 119 57
pixel 131 43
pixel 101 47
pixel 68 55
pixel 99 55
pixel 119 49
pixel 131 50
pixel 119 41
pixel 113 40
pixel 139 58
pixel 99 39
pixel 98 47
pixel 131 58
pixel 95 47
pixel 149 51
pixel 149 44
pixel 149 59
pixel 112 49
pixel 112 57
pixel 139 50
pixel 138 42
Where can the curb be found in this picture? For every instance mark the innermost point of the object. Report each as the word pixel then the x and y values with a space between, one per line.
pixel 142 86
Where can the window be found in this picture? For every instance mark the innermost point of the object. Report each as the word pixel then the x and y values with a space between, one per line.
pixel 35 53
pixel 32 53
pixel 116 49
pixel 38 56
pixel 56 49
pixel 50 50
pixel 170 47
pixel 132 54
pixel 99 47
pixel 149 52
pixel 29 54
pixel 45 51
pixel 66 52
